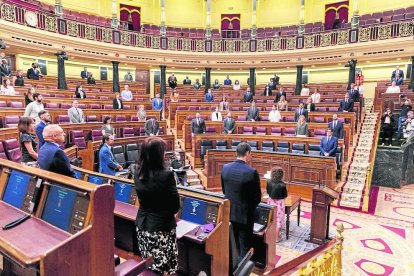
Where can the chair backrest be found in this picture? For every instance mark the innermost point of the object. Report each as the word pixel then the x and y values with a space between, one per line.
pixel 3 104
pixel 118 152
pixel 96 135
pixel 91 119
pixel 319 120
pixel 235 143
pixel 128 132
pixel 63 119
pixel 205 145
pixel 247 130
pixel 221 144
pixel 252 144
pixel 108 106
pixel 283 147
pixel 11 121
pixel 260 131
pixel 241 118
pixel 65 105
pixel 16 104
pixel 290 119
pixel 298 148
pixel 289 131
pixel 210 130
pixel 12 149
pixel 268 146
pixel 120 118
pixel 319 132
pixel 2 152
pixel 131 153
pixel 277 131
pixel 95 106
pixel 78 139
pixel 51 105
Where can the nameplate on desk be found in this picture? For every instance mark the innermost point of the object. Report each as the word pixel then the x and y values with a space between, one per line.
pixel 184 227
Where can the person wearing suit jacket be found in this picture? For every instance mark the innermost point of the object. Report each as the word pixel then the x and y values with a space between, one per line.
pixel 107 162
pixel 5 70
pixel 309 106
pixel 248 96
pixel 229 124
pixel 253 113
pixel 76 114
pixel 398 80
pixel 79 92
pixel 33 73
pixel 198 126
pixel 187 80
pixel 346 105
pixel 301 111
pixel 397 71
pixel 152 127
pixel 267 91
pixel 216 115
pixel 337 127
pixel 209 97
pixel 157 103
pixel 224 105
pixel 51 157
pixel 117 102
pixel 84 73
pixel 280 94
pixel 276 79
pixel 329 143
pixel 44 121
pixel 241 185
pixel 354 93
pixel 158 203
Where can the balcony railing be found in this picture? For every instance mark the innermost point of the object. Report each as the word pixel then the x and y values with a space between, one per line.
pixel 49 22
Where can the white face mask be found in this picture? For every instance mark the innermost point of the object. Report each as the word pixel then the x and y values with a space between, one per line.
pixel 178 157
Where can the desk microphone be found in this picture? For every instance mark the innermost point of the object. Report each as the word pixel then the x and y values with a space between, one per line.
pixel 32 205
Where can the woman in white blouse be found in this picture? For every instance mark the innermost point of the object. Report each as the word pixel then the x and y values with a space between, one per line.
pixel 236 85
pixel 274 115
pixel 394 88
pixel 305 90
pixel 7 88
pixel 216 115
pixel 316 97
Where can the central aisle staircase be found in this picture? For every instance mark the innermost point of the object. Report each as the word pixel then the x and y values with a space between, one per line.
pixel 354 192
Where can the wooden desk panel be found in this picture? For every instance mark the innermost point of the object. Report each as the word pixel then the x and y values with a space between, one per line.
pixel 302 172
pixel 196 143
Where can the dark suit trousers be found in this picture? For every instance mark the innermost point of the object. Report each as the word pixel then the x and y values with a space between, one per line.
pixel 387 132
pixel 243 234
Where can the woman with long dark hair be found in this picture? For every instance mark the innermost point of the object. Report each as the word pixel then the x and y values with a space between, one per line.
pixel 158 203
pixel 28 142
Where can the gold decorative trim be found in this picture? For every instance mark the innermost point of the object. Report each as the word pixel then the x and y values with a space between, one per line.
pixel 90 32
pixel 51 24
pixel 8 12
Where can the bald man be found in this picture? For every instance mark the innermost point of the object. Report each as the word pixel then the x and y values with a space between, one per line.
pixel 51 157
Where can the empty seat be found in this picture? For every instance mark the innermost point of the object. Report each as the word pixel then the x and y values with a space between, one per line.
pixel 277 131
pixel 264 118
pixel 11 121
pixel 283 147
pixel 221 144
pixel 131 153
pixel 289 119
pixel 161 131
pixel 118 152
pixel 78 139
pixel 314 149
pixel 108 106
pixel 15 105
pixel 12 149
pixel 91 119
pixel 241 118
pixel 253 145
pixel 319 120
pixel 63 119
pixel 205 145
pixel 120 118
pixel 128 132
pixel 298 148
pixel 51 105
pixel 289 131
pixel 96 135
pixel 3 104
pixel 65 105
pixel 95 106
pixel 260 131
pixel 2 152
pixel 268 146
pixel 141 131
pixel 248 130
pixel 319 133
pixel 211 130
pixel 235 143
pixel 235 108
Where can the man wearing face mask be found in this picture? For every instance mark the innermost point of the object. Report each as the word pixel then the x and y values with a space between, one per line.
pixel 406 106
pixel 177 164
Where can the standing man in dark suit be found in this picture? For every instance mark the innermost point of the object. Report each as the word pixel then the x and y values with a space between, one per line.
pixel 346 105
pixel 301 111
pixel 241 185
pixel 329 143
pixel 279 94
pixel 354 93
pixel 267 91
pixel 34 72
pixel 84 73
pixel 187 80
pixel 229 124
pixel 248 96
pixel 276 79
pixel 5 70
pixel 397 71
pixel 198 126
pixel 253 113
pixel 337 127
pixel 51 157
pixel 309 106
pixel 117 102
pixel 152 127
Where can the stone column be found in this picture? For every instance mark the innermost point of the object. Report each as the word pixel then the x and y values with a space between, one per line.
pixel 301 26
pixel 253 32
pixel 163 28
pixel 208 80
pixel 61 57
pixel 163 80
pixel 115 76
pixel 299 69
pixel 351 77
pixel 355 15
pixel 411 84
pixel 252 80
pixel 114 24
pixel 208 19
pixel 58 8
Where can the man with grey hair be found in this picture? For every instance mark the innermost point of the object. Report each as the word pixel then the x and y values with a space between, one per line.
pixel 75 113
pixel 51 157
